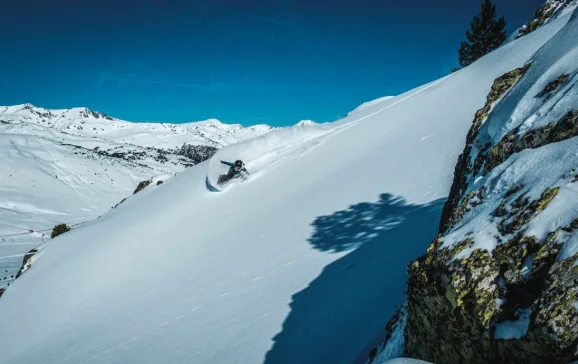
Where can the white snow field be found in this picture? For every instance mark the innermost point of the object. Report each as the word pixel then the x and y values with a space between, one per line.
pixel 70 166
pixel 302 263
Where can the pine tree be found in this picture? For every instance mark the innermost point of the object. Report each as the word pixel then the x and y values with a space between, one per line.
pixel 486 33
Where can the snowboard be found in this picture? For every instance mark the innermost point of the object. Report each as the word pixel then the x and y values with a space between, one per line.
pixel 221 187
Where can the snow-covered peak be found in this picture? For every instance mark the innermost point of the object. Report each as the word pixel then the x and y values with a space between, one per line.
pixel 34 112
pixel 214 122
pixel 306 123
pixel 83 122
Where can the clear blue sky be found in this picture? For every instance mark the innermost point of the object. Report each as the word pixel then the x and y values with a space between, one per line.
pixel 248 62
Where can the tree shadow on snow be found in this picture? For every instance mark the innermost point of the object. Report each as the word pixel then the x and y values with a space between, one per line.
pixel 335 318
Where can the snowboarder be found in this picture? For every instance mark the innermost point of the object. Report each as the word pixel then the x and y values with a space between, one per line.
pixel 234 170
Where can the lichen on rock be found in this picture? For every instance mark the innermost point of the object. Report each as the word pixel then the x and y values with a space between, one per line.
pixel 459 301
pixel 521 213
pixel 464 167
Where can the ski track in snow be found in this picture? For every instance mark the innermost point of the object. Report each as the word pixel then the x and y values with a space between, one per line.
pixel 298 148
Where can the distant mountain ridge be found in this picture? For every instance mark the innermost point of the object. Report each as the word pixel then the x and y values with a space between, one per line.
pixel 87 123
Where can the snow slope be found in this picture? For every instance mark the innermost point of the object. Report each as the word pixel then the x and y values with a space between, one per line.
pixel 68 162
pixel 70 166
pixel 367 104
pixel 304 262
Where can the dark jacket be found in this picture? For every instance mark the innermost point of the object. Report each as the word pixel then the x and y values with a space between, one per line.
pixel 232 170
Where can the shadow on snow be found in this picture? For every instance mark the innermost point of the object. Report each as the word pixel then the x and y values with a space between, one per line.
pixel 335 318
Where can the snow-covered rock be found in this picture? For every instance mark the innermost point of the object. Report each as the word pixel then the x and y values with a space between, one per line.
pixel 546 13
pixel 500 282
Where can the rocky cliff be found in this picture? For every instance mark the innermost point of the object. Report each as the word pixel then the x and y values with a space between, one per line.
pixel 500 281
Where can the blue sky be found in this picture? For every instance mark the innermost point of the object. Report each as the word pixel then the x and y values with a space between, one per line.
pixel 248 62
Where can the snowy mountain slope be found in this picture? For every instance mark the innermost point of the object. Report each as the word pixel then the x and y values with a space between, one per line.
pixel 70 166
pixel 302 263
pixel 370 103
pixel 500 283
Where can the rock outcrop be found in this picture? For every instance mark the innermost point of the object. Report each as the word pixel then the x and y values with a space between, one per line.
pixel 495 285
pixel 544 14
pixel 142 185
pixel 499 284
pixel 196 153
pixel 26 262
pixel 465 165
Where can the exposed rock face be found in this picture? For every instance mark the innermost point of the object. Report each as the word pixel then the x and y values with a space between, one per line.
pixel 27 262
pixel 554 132
pixel 465 165
pixel 546 12
pixel 123 200
pixel 141 186
pixel 551 86
pixel 196 153
pixel 500 282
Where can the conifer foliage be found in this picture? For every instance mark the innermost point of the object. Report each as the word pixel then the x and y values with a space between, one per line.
pixel 486 33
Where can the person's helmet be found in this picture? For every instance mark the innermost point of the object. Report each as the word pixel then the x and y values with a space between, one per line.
pixel 239 164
